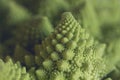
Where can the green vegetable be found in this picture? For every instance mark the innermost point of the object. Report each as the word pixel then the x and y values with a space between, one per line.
pixel 83 45
pixel 70 53
pixel 13 71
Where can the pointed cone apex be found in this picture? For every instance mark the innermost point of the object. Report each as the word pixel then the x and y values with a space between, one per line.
pixel 67 15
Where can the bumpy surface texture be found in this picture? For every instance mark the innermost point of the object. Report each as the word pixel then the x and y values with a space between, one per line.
pixel 83 45
pixel 13 71
pixel 70 54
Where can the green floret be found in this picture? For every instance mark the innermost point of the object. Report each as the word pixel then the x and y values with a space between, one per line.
pixel 13 71
pixel 33 31
pixel 70 53
pixel 85 46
